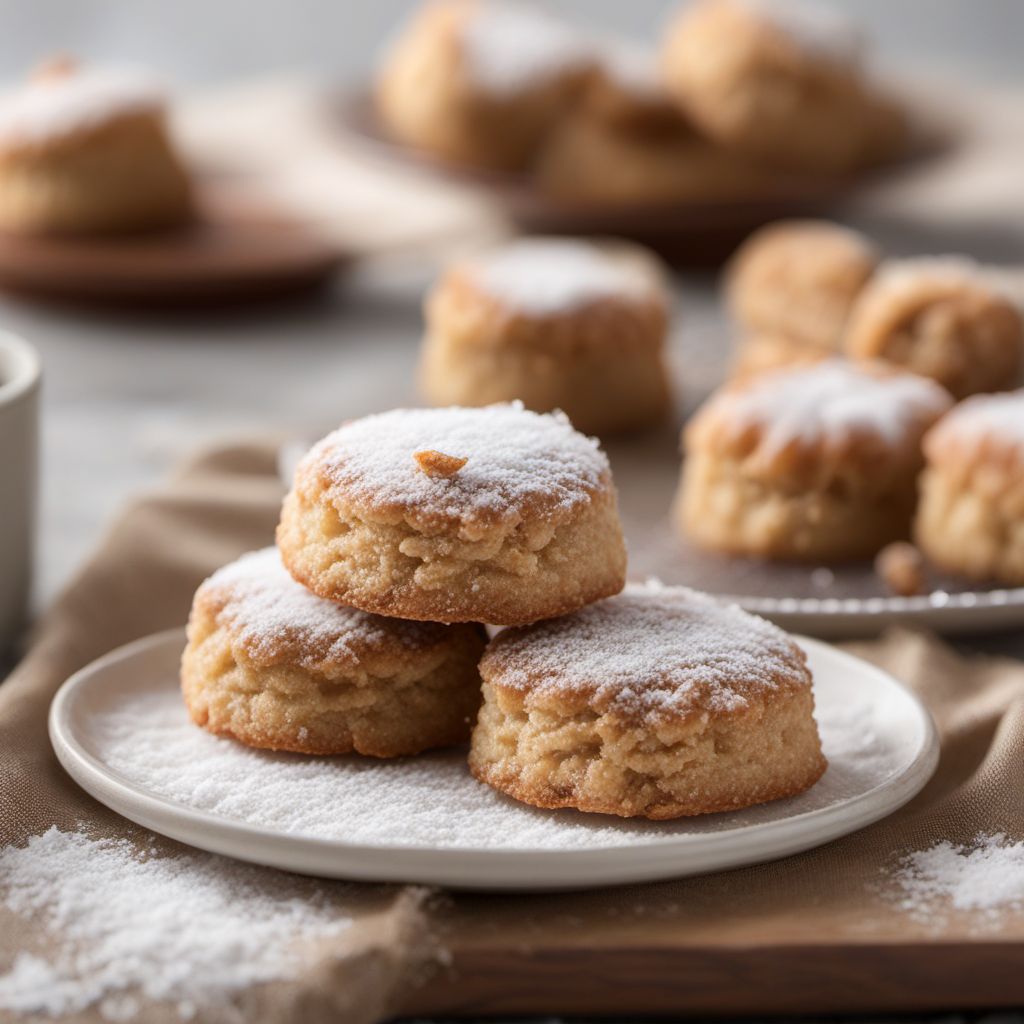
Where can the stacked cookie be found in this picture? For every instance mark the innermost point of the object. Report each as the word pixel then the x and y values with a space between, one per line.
pixel 406 530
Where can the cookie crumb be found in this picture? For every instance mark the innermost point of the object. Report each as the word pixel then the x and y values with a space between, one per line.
pixel 901 567
pixel 435 463
pixel 60 65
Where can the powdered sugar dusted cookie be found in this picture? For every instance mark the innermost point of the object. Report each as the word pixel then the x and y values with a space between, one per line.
pixel 87 150
pixel 657 703
pixel 556 323
pixel 492 515
pixel 940 317
pixel 815 463
pixel 274 666
pixel 479 82
pixel 971 517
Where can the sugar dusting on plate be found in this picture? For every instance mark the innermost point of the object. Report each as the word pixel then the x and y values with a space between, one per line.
pixel 126 924
pixel 146 738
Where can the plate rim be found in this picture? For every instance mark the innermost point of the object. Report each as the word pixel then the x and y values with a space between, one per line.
pixel 116 791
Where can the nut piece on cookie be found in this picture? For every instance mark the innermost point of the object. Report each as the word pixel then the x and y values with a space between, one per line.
pixel 658 703
pixel 437 463
pixel 525 529
pixel 271 665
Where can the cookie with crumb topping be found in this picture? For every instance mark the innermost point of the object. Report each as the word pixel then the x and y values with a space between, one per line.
pixel 557 324
pixel 271 665
pixel 815 463
pixel 971 517
pixel 940 317
pixel 495 515
pixel 87 151
pixel 479 83
pixel 658 703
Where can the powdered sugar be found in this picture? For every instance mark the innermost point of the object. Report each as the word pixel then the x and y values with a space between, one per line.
pixel 831 401
pixel 543 276
pixel 515 460
pixel 272 616
pixel 651 652
pixel 985 876
pixel 61 105
pixel 432 802
pixel 983 421
pixel 510 46
pixel 188 931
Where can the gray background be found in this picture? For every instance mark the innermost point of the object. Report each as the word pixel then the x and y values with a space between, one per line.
pixel 214 40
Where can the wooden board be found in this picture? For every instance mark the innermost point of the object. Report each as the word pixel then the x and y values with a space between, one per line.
pixel 722 981
pixel 235 250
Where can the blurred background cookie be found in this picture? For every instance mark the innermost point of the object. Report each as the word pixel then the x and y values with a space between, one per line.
pixel 814 463
pixel 556 323
pixel 480 82
pixel 86 151
pixel 782 82
pixel 971 517
pixel 940 317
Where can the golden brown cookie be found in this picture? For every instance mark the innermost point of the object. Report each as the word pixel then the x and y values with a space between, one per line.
pixel 274 666
pixel 798 279
pixel 971 517
pixel 87 151
pixel 480 82
pixel 558 324
pixel 780 81
pixel 815 463
pixel 759 353
pixel 658 703
pixel 940 317
pixel 456 515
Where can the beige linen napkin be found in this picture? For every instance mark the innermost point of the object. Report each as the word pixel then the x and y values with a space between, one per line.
pixel 819 932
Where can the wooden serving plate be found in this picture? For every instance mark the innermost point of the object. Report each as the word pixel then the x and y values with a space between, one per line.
pixel 685 233
pixel 236 250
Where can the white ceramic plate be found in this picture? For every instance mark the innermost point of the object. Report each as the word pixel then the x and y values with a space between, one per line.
pixel 120 730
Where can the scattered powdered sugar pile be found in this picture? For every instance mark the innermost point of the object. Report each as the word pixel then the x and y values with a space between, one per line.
pixel 57 106
pixel 189 930
pixel 985 876
pixel 652 651
pixel 269 610
pixel 514 458
pixel 510 46
pixel 550 275
pixel 432 801
pixel 993 422
pixel 830 401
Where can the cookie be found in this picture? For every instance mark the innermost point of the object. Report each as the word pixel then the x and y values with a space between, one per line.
pixel 271 665
pixel 557 324
pixel 814 463
pixel 86 151
pixel 658 703
pixel 495 515
pixel 971 517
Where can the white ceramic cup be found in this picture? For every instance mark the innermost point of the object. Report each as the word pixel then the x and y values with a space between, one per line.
pixel 19 469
